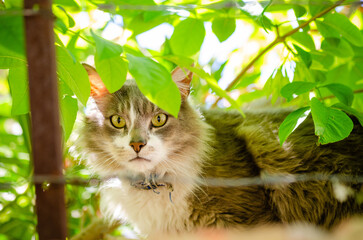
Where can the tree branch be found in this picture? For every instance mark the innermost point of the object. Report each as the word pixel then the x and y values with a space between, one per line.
pixel 278 39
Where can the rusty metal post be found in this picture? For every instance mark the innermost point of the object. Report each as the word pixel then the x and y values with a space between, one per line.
pixel 46 132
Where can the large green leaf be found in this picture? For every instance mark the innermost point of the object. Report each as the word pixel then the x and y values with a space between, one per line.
pixel 337 47
pixel 18 83
pixel 68 109
pixel 106 49
pixel 326 31
pixel 290 123
pixel 342 92
pixel 331 125
pixel 305 56
pixel 304 39
pixel 345 27
pixel 12 33
pixel 296 88
pixel 155 82
pixel 223 27
pixel 350 110
pixel 73 73
pixel 9 59
pixel 188 37
pixel 112 71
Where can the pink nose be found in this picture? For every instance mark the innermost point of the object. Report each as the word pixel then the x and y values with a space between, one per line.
pixel 137 146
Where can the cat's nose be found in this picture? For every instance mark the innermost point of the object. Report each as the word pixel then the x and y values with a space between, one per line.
pixel 137 146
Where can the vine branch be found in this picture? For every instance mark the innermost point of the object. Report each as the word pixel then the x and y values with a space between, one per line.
pixel 278 39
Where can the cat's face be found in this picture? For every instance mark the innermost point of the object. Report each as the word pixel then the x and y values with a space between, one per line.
pixel 125 131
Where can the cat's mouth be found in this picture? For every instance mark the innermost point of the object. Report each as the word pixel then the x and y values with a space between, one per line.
pixel 137 159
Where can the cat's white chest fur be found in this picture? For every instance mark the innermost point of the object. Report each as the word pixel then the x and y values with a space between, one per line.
pixel 146 210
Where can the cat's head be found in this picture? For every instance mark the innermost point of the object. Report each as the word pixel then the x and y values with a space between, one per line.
pixel 124 131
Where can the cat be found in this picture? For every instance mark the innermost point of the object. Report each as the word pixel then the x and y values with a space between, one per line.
pixel 166 160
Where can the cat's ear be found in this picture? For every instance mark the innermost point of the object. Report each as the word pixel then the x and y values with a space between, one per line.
pixel 182 77
pixel 98 88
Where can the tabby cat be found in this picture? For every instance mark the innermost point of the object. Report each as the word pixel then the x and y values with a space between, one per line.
pixel 166 159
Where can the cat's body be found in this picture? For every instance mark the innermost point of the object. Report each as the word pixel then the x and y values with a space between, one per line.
pixel 184 151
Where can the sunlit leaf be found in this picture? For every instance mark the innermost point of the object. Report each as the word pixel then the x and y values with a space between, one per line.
pixel 18 83
pixel 342 92
pixel 106 49
pixel 296 88
pixel 188 37
pixel 304 39
pixel 274 84
pixel 223 27
pixel 12 33
pixel 337 47
pixel 155 82
pixel 350 110
pixel 73 73
pixel 68 109
pixel 345 27
pixel 112 71
pixel 291 122
pixel 331 125
pixel 305 56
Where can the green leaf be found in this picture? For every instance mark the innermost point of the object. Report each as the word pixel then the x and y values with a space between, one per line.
pixel 12 33
pixel 106 49
pixel 299 10
pixel 71 22
pixel 331 125
pixel 10 59
pixel 247 80
pixel 275 83
pixel 296 88
pixel 291 122
pixel 223 27
pixel 350 110
pixel 321 61
pixel 305 56
pixel 155 82
pixel 69 3
pixel 68 109
pixel 316 6
pixel 337 47
pixel 304 39
pixel 73 73
pixel 345 27
pixel 326 31
pixel 342 92
pixel 18 83
pixel 112 71
pixel 188 37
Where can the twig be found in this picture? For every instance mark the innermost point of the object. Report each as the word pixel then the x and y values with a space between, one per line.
pixel 278 39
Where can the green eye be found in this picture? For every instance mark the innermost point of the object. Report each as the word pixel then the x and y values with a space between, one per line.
pixel 159 120
pixel 117 121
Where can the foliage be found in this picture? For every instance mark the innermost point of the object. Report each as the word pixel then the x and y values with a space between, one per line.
pixel 317 66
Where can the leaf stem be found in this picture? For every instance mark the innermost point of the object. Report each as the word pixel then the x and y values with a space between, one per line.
pixel 278 39
pixel 84 38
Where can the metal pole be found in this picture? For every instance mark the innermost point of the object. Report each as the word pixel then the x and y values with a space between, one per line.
pixel 46 132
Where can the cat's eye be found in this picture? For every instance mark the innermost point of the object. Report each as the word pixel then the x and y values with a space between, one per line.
pixel 159 120
pixel 117 121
